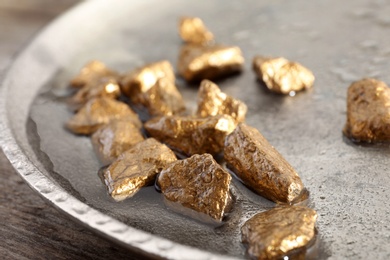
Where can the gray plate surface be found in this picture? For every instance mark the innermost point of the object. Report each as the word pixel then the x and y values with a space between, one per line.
pixel 340 41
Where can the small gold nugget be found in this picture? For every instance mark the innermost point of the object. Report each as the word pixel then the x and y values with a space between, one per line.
pixel 139 81
pixel 91 72
pixel 275 233
pixel 113 139
pixel 98 112
pixel 136 168
pixel 101 87
pixel 198 183
pixel 368 111
pixel 260 166
pixel 153 86
pixel 212 102
pixel 282 76
pixel 198 62
pixel 192 30
pixel 191 135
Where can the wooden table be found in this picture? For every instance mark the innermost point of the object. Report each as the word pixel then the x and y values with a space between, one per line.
pixel 30 228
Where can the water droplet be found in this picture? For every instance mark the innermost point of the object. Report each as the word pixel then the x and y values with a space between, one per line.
pixel 164 244
pixel 44 187
pixel 62 197
pixel 292 93
pixel 81 209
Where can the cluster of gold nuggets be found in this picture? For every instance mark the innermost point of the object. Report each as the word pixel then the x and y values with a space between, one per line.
pixel 199 183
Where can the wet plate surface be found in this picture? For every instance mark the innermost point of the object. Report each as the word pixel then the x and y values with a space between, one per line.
pixel 339 41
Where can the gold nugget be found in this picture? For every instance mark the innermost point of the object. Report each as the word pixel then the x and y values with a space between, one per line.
pixel 91 72
pixel 212 102
pixel 192 30
pixel 98 112
pixel 153 86
pixel 198 183
pixel 139 81
pixel 368 111
pixel 282 76
pixel 113 139
pixel 136 168
pixel 101 87
pixel 260 166
pixel 275 233
pixel 198 62
pixel 190 135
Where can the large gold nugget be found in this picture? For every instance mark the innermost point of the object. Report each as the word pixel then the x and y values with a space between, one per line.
pixel 198 183
pixel 260 166
pixel 190 135
pixel 102 87
pixel 368 111
pixel 282 76
pixel 113 139
pixel 91 72
pixel 139 81
pixel 192 30
pixel 136 168
pixel 98 112
pixel 275 233
pixel 212 102
pixel 198 62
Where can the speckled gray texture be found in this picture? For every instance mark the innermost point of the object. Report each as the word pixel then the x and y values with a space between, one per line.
pixel 340 41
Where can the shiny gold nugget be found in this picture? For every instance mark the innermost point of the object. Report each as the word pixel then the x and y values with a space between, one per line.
pixel 192 30
pixel 91 72
pixel 282 76
pixel 275 233
pixel 368 111
pixel 190 135
pixel 136 168
pixel 139 81
pixel 113 139
pixel 198 183
pixel 98 112
pixel 101 87
pixel 153 86
pixel 212 102
pixel 198 62
pixel 260 166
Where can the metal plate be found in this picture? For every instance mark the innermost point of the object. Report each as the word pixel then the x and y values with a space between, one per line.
pixel 340 41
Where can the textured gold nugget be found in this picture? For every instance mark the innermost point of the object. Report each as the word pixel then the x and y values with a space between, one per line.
pixel 260 166
pixel 113 139
pixel 275 233
pixel 198 62
pixel 136 168
pixel 91 72
pixel 153 86
pixel 190 135
pixel 98 112
pixel 192 30
pixel 282 76
pixel 198 183
pixel 368 111
pixel 101 87
pixel 212 102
